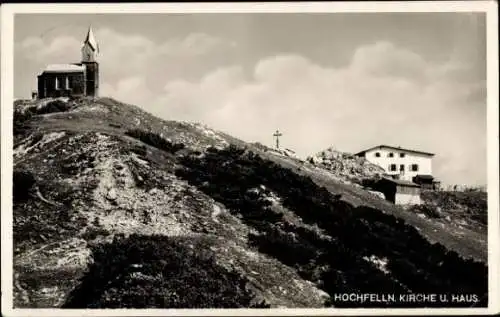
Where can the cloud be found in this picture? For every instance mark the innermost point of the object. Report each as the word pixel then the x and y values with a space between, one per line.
pixel 36 49
pixel 384 59
pixel 386 94
pixel 193 44
pixel 133 90
pixel 124 55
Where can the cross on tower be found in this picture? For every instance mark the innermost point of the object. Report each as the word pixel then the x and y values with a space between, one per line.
pixel 277 135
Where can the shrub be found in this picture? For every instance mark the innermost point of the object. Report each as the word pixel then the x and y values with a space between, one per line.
pixel 155 140
pixel 428 210
pixel 23 182
pixel 157 272
pixel 289 248
pixel 140 150
pixel 54 106
pixel 93 232
pixel 20 121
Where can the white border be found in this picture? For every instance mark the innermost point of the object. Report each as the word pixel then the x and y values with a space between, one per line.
pixel 7 28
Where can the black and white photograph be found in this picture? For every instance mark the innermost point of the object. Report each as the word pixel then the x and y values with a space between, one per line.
pixel 249 158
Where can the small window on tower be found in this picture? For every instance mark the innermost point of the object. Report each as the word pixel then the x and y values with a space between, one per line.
pixel 401 154
pixel 390 154
pixel 377 154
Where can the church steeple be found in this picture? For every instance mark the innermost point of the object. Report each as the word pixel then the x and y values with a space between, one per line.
pixel 90 47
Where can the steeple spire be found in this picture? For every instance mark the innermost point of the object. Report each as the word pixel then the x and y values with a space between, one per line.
pixel 90 39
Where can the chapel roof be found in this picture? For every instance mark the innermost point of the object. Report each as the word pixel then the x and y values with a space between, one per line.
pixel 64 68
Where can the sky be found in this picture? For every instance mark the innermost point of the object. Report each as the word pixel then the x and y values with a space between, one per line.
pixel 347 80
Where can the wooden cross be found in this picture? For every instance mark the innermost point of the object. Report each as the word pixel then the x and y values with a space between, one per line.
pixel 277 134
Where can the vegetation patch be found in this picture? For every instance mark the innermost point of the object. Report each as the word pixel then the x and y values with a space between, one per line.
pixel 22 185
pixel 155 140
pixel 53 106
pixel 43 210
pixel 469 204
pixel 158 272
pixel 20 122
pixel 337 264
pixel 22 118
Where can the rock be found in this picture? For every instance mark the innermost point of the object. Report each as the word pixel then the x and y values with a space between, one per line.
pixel 153 191
pixel 112 194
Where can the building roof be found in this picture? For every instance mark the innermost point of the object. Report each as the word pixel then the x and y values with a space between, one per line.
pixel 422 176
pixel 401 182
pixel 397 148
pixel 64 68
pixel 90 38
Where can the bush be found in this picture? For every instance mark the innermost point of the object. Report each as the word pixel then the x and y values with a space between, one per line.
pixel 155 140
pixel 54 106
pixel 23 182
pixel 158 272
pixel 20 121
pixel 428 210
pixel 94 231
pixel 289 248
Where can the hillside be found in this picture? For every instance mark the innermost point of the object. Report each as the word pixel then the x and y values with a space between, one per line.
pixel 114 207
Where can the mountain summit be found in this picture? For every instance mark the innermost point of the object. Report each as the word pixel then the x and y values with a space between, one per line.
pixel 116 208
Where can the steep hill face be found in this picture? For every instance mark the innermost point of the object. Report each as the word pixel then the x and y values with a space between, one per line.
pixel 114 207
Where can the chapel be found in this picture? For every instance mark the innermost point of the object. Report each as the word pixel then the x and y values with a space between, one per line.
pixel 75 79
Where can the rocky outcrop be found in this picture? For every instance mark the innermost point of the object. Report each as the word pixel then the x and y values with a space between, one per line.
pixel 345 165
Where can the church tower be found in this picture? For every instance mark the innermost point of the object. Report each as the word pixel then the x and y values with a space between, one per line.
pixel 90 49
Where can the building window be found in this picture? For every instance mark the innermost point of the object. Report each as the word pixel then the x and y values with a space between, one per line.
pixel 402 168
pixel 414 167
pixel 392 167
pixel 390 154
pixel 401 154
pixel 377 154
pixel 58 84
pixel 67 83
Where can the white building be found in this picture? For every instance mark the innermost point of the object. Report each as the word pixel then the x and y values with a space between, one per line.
pixel 404 164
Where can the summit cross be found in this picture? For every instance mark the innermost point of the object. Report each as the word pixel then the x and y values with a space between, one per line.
pixel 277 135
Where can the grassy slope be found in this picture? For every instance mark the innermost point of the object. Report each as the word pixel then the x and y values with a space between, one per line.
pixel 469 242
pixel 56 235
pixel 467 209
pixel 336 257
pixel 114 118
